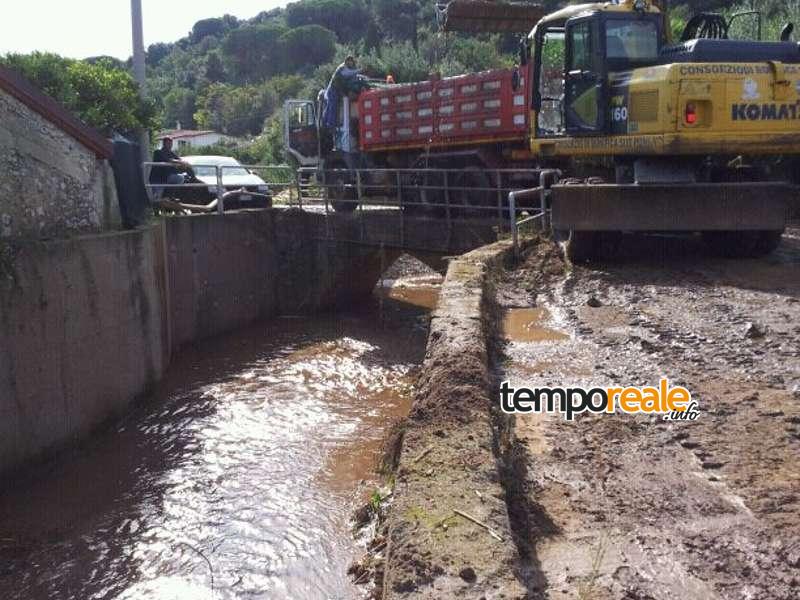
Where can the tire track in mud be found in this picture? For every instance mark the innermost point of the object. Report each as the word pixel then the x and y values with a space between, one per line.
pixel 642 508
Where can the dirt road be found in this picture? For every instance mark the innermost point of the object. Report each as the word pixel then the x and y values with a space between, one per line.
pixel 631 507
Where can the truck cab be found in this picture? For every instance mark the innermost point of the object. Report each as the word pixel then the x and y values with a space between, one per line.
pixel 309 143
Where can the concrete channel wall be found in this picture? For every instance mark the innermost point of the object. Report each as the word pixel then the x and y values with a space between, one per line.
pixel 454 455
pixel 89 324
pixel 83 330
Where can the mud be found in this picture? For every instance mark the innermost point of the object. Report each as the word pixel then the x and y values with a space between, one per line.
pixel 630 507
pixel 529 325
pixel 448 533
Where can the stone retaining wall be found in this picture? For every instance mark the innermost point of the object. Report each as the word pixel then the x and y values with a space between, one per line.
pixel 50 184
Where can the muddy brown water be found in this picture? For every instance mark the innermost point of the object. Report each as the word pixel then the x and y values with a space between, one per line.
pixel 530 325
pixel 237 479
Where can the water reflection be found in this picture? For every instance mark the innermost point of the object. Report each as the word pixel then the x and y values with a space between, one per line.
pixel 239 474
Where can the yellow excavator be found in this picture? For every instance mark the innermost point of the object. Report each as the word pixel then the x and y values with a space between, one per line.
pixel 696 135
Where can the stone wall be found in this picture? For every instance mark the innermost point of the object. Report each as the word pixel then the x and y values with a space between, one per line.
pixel 50 184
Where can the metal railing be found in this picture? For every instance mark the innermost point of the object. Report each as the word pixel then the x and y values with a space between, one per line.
pixel 501 195
pixel 542 192
pixel 276 178
pixel 447 194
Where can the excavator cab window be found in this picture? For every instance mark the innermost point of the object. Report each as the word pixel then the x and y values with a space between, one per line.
pixel 549 92
pixel 585 77
pixel 632 41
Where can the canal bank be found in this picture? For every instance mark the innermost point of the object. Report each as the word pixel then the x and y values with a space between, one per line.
pixel 450 532
pixel 89 324
pixel 237 476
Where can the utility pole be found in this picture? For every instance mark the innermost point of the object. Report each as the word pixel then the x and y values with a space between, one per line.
pixel 139 73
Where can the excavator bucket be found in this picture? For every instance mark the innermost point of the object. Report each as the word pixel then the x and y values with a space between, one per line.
pixel 488 16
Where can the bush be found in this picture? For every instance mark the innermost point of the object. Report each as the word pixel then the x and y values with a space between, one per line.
pixel 101 95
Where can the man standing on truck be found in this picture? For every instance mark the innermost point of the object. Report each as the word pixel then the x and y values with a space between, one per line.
pixel 345 81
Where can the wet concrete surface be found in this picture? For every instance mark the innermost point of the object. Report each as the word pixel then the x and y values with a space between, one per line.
pixel 630 507
pixel 237 478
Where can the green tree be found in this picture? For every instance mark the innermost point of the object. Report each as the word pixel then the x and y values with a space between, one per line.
pixel 207 27
pixel 108 98
pixel 304 46
pixel 100 94
pixel 47 72
pixel 252 50
pixel 180 105
pixel 399 19
pixel 214 67
pixel 345 18
pixel 156 53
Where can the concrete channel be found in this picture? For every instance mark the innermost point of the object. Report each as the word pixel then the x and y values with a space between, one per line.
pixel 237 474
pixel 213 428
pixel 260 422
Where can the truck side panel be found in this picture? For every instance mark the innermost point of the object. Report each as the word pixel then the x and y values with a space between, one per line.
pixel 477 108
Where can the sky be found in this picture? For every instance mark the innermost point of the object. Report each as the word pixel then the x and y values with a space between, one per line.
pixel 83 28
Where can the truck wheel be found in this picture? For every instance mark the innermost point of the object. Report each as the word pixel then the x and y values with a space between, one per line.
pixel 475 193
pixel 740 244
pixel 768 241
pixel 582 246
pixel 343 198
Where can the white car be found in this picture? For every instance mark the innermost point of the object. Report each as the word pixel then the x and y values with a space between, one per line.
pixel 243 188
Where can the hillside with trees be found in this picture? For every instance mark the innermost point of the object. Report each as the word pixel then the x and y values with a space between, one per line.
pixel 232 75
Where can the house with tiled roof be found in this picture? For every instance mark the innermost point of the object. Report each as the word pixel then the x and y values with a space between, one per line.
pixel 190 138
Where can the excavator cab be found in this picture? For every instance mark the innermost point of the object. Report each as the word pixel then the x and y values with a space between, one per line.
pixel 574 54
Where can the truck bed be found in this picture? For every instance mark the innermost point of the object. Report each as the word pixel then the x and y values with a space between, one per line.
pixel 473 109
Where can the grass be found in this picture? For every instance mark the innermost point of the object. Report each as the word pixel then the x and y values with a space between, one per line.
pixel 588 589
pixel 376 501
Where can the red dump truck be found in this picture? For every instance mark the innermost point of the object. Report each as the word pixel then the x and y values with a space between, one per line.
pixel 644 134
pixel 470 125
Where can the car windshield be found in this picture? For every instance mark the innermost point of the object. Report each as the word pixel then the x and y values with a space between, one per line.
pixel 229 169
pixel 632 40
